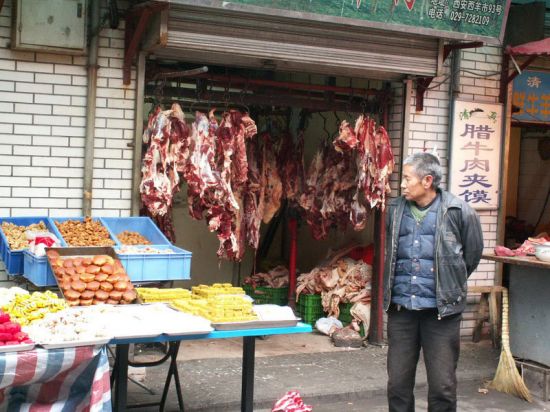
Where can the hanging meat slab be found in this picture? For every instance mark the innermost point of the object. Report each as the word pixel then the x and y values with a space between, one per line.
pixel 167 140
pixel 216 173
pixel 290 161
pixel 274 186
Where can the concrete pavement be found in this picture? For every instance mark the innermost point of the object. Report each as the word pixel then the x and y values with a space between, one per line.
pixel 330 379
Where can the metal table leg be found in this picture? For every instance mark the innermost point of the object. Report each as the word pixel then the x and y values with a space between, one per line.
pixel 121 378
pixel 247 392
pixel 114 369
pixel 172 370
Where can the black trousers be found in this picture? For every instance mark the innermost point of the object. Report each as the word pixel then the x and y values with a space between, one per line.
pixel 408 332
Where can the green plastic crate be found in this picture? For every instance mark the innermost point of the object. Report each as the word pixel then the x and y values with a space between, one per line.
pixel 346 317
pixel 265 295
pixel 310 308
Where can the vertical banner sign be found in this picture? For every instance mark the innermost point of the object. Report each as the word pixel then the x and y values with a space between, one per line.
pixel 475 157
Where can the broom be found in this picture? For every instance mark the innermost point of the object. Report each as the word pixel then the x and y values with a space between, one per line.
pixel 507 378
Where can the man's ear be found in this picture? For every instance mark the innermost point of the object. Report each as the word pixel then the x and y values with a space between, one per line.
pixel 428 181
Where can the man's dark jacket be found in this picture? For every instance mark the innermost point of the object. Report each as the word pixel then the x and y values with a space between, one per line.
pixel 458 249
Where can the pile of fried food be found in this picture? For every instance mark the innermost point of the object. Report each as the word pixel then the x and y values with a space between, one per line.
pixel 88 232
pixel 128 237
pixel 92 280
pixel 15 234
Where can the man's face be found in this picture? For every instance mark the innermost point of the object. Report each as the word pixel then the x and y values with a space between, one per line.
pixel 413 187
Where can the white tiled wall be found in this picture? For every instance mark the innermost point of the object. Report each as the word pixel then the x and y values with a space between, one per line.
pixel 42 129
pixel 395 131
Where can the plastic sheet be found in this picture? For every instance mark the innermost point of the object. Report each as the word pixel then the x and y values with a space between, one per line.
pixel 328 325
pixel 291 402
pixel 40 240
pixel 72 379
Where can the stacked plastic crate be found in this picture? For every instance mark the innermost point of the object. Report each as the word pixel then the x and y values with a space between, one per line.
pixel 16 260
pixel 140 266
pixel 310 308
pixel 264 294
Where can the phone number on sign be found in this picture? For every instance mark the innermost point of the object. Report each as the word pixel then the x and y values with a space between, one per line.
pixel 470 18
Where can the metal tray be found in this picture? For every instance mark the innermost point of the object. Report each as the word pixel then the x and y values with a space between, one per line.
pixel 81 251
pixel 175 332
pixel 73 344
pixel 137 335
pixel 17 348
pixel 255 324
pixel 84 251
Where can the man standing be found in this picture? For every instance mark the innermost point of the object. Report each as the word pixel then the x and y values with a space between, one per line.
pixel 434 242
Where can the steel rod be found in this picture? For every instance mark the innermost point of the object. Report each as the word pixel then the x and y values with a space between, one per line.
pixel 236 99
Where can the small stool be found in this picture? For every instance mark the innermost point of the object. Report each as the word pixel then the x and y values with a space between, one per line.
pixel 488 300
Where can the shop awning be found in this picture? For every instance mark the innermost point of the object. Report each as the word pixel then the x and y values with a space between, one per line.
pixel 533 48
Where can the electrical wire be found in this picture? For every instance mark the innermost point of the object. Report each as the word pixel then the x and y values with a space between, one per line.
pixel 447 76
pixel 459 70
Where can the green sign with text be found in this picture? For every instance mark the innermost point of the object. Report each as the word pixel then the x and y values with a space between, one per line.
pixel 463 19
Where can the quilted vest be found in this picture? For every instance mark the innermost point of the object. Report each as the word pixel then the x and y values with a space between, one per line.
pixel 414 281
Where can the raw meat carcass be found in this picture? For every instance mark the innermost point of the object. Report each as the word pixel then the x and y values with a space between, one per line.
pixel 291 166
pixel 273 187
pixel 383 168
pixel 346 139
pixel 504 251
pixel 330 186
pixel 254 196
pixel 167 140
pixel 217 180
pixel 340 281
pixel 275 278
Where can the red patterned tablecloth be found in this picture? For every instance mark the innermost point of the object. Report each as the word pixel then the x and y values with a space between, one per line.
pixel 69 379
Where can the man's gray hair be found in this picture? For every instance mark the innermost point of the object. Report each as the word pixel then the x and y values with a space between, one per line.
pixel 425 164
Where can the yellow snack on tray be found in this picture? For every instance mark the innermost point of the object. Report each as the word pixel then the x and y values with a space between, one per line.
pixel 162 295
pixel 217 289
pixel 26 308
pixel 218 308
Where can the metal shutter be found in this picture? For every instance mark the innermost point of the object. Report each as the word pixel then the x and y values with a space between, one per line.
pixel 210 35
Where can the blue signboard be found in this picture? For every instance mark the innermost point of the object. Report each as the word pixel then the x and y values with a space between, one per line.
pixel 531 97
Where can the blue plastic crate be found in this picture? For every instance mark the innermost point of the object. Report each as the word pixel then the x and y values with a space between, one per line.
pixel 80 219
pixel 148 266
pixel 21 221
pixel 37 270
pixel 13 259
pixel 141 224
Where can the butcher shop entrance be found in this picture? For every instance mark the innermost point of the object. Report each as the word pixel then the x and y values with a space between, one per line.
pixel 298 183
pixel 293 118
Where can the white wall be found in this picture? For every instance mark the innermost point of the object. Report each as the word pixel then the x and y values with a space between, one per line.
pixel 42 129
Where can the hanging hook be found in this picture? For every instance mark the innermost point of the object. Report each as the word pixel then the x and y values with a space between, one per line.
pixel 192 106
pixel 226 95
pixel 325 125
pixel 350 99
pixel 159 91
pixel 338 120
pixel 242 94
pixel 364 103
